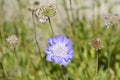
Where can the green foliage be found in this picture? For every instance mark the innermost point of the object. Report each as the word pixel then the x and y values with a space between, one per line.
pixel 81 68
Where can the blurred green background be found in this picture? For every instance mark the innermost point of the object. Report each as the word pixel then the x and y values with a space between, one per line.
pixel 80 20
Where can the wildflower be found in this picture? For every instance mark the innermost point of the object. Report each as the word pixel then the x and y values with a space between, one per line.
pixel 60 50
pixel 96 43
pixel 12 40
pixel 43 13
pixel 112 19
pixel 41 18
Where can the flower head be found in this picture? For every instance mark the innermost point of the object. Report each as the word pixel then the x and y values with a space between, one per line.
pixel 41 18
pixel 112 19
pixel 12 40
pixel 96 43
pixel 48 11
pixel 59 50
pixel 44 12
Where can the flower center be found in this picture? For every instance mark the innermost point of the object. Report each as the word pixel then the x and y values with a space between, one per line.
pixel 60 50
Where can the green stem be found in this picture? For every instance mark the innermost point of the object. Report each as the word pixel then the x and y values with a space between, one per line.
pixel 96 69
pixel 63 74
pixel 17 59
pixel 71 9
pixel 71 24
pixel 68 18
pixel 51 26
pixel 93 13
pixel 35 35
pixel 110 47
pixel 39 49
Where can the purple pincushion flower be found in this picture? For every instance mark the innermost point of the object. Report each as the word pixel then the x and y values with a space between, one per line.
pixel 60 50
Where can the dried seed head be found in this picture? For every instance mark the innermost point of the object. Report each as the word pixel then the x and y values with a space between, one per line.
pixel 49 11
pixel 41 18
pixel 12 40
pixel 96 43
pixel 112 19
pixel 44 12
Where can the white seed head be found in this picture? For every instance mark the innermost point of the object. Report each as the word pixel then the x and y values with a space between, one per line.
pixel 12 40
pixel 41 18
pixel 112 19
pixel 44 12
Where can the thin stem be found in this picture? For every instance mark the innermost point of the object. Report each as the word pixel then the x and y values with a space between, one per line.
pixel 17 59
pixel 66 10
pixel 110 47
pixel 93 13
pixel 71 9
pixel 15 53
pixel 51 26
pixel 39 49
pixel 71 24
pixel 63 74
pixel 68 17
pixel 35 35
pixel 96 71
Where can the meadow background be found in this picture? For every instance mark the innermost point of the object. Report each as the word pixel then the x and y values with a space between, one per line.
pixel 82 23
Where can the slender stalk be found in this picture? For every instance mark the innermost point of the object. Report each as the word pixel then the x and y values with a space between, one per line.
pixel 39 49
pixel 51 26
pixel 63 72
pixel 96 69
pixel 68 18
pixel 35 35
pixel 71 24
pixel 15 53
pixel 93 13
pixel 18 68
pixel 71 9
pixel 110 47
